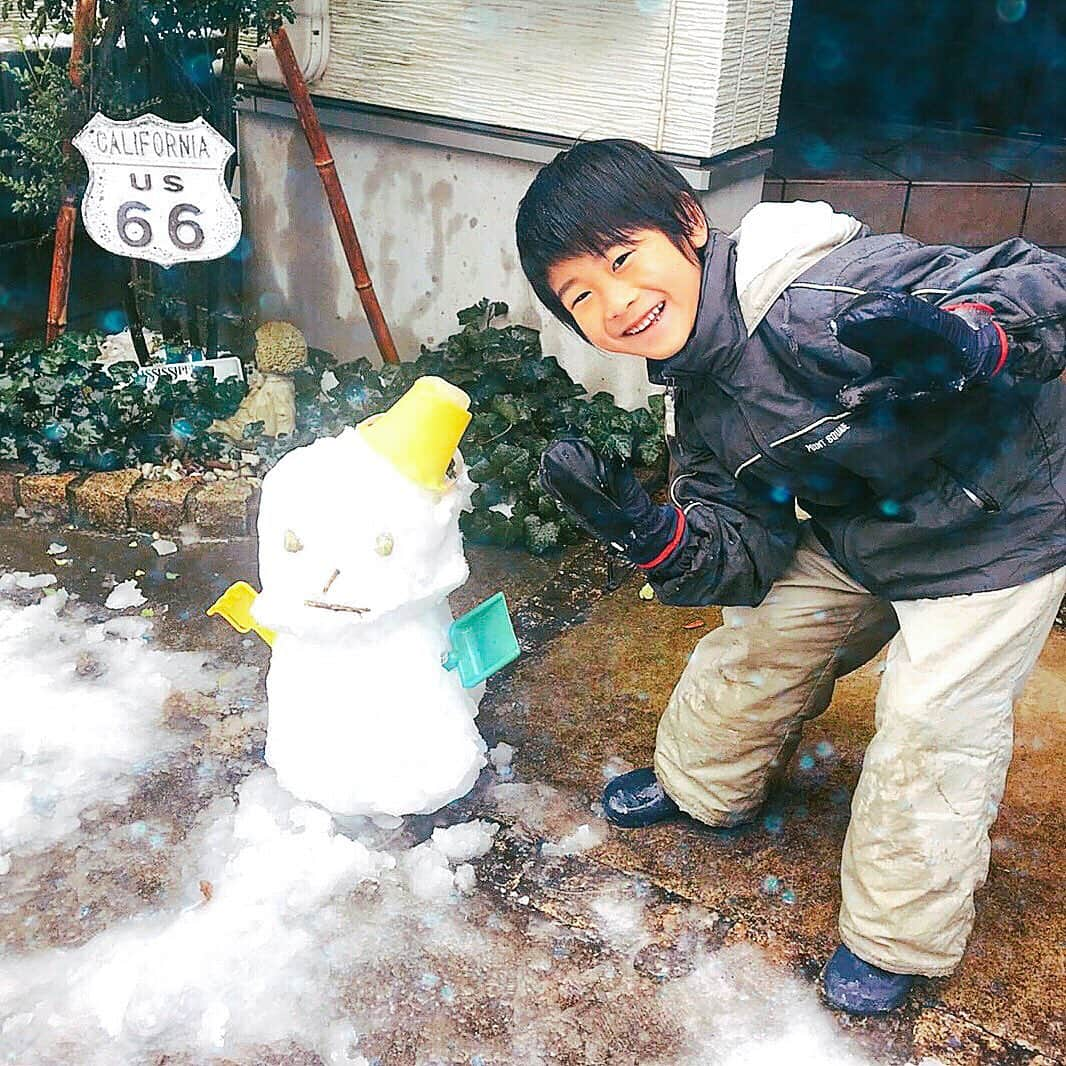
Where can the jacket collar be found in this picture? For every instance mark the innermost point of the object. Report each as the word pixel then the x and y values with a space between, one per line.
pixel 719 334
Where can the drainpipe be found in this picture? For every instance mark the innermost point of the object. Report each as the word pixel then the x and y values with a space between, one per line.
pixel 59 284
pixel 338 204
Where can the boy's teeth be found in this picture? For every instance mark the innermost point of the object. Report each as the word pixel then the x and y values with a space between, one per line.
pixel 646 321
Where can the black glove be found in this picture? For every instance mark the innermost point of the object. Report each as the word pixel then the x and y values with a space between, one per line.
pixel 607 500
pixel 925 349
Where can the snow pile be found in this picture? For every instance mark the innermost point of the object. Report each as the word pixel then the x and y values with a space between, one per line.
pixel 356 562
pixel 20 579
pixel 428 866
pixel 465 841
pixel 501 757
pixel 619 919
pixel 118 347
pixel 82 714
pixel 238 961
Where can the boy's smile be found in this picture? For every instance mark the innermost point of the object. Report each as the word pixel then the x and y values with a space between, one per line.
pixel 639 298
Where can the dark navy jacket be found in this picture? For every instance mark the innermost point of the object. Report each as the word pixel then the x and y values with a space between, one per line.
pixel 962 493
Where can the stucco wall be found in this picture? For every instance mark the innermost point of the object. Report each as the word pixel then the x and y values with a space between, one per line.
pixel 437 229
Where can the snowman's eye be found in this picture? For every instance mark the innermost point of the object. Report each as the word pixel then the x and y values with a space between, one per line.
pixel 383 544
pixel 292 542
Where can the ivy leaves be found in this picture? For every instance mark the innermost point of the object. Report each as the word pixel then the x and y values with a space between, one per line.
pixel 59 411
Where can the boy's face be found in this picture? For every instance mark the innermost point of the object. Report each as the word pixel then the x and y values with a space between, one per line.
pixel 611 296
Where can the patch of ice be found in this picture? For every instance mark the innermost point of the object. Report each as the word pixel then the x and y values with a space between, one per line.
pixel 581 839
pixel 501 756
pixel 55 548
pixel 34 581
pixel 164 547
pixel 125 594
pixel 189 533
pixel 620 921
pixel 761 1017
pixel 506 509
pixel 541 809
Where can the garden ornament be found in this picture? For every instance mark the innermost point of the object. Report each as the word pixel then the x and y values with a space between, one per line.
pixel 280 350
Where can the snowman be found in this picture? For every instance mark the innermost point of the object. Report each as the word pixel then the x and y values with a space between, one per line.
pixel 359 547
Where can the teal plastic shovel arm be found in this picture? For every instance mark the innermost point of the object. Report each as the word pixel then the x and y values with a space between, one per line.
pixel 482 642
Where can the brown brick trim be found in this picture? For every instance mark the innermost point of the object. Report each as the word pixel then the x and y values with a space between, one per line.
pixel 113 501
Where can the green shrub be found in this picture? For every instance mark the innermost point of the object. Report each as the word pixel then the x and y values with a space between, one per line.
pixel 58 411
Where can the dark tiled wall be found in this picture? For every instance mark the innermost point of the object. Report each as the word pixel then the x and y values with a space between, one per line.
pixel 941 186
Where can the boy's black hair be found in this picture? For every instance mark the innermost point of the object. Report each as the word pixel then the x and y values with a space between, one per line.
pixel 592 196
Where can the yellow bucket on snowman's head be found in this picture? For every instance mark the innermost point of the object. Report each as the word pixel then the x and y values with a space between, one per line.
pixel 420 432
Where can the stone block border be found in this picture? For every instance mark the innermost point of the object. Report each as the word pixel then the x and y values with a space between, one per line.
pixel 120 500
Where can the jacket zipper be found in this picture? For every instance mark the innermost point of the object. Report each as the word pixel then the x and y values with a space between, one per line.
pixel 974 493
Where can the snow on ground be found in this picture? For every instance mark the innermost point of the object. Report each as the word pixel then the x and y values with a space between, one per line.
pixel 161 895
pixel 81 719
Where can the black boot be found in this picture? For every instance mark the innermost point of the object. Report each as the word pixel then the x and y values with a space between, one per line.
pixel 858 987
pixel 636 799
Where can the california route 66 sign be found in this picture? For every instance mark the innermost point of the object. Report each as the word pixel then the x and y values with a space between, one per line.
pixel 157 189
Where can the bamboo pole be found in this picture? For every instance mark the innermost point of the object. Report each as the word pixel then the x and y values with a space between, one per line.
pixel 338 204
pixel 225 120
pixel 63 249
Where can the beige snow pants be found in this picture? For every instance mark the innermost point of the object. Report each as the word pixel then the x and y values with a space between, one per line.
pixel 917 845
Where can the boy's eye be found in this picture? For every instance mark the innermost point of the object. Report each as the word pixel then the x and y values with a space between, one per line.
pixel 579 299
pixel 621 259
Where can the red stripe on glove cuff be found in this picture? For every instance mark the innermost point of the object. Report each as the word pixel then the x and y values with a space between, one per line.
pixel 675 540
pixel 1003 346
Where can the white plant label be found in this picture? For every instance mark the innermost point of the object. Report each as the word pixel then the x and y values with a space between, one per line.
pixel 157 189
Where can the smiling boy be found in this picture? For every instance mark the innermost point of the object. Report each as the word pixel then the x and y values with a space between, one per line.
pixel 907 398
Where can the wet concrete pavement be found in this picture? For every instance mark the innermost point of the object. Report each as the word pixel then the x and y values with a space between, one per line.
pixel 581 705
pixel 595 696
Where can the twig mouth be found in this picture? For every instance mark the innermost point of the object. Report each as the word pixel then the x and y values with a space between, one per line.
pixel 335 606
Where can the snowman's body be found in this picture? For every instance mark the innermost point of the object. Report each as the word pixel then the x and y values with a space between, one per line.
pixel 363 718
